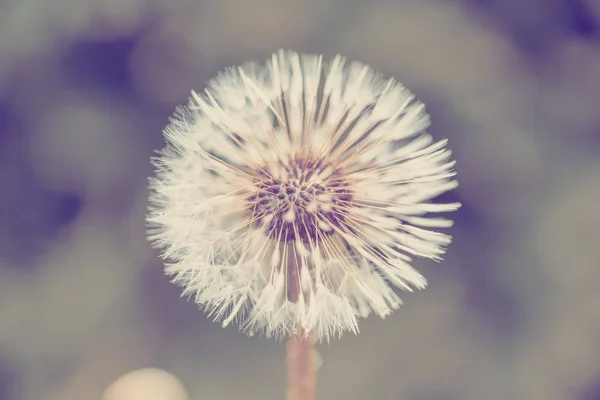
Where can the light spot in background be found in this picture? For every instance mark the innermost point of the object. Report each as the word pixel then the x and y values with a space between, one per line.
pixel 146 384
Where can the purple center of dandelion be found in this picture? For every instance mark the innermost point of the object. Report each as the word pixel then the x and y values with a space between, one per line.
pixel 311 200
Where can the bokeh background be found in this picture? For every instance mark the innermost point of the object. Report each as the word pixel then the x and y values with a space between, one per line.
pixel 85 89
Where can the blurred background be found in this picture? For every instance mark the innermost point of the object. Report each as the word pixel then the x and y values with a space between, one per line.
pixel 86 87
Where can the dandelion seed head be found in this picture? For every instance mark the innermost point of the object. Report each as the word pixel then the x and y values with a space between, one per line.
pixel 292 196
pixel 302 204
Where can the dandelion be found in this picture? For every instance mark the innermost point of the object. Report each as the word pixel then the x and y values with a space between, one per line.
pixel 291 197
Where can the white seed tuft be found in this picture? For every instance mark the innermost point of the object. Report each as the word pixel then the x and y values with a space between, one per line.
pixel 293 195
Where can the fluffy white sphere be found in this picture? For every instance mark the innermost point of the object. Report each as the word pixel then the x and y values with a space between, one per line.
pixel 146 384
pixel 291 196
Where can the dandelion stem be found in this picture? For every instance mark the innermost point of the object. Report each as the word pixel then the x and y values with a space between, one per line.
pixel 302 374
pixel 301 356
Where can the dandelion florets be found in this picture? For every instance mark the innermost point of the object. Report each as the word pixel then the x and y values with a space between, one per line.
pixel 291 196
pixel 307 201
